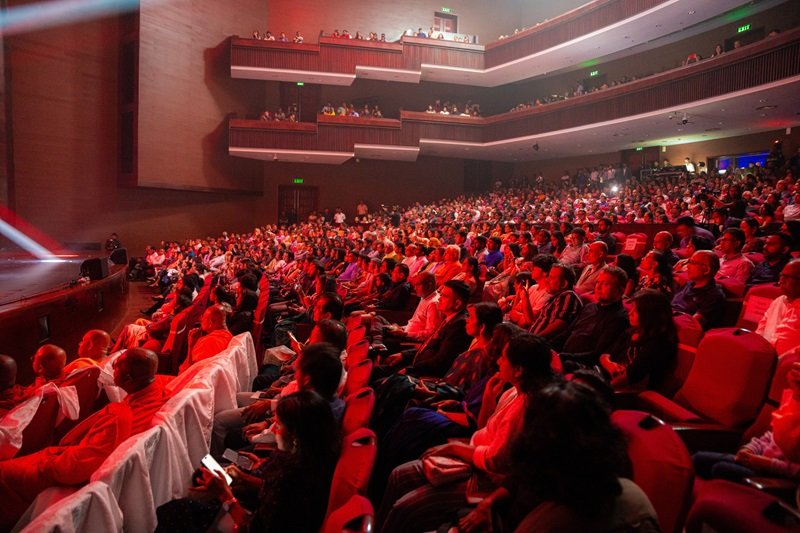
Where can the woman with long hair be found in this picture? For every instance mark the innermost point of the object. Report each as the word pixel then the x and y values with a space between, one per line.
pixel 411 501
pixel 570 466
pixel 648 352
pixel 287 492
pixel 657 273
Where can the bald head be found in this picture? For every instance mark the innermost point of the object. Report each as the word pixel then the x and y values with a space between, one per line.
pixel 213 319
pixel 94 344
pixel 8 372
pixel 135 369
pixel 662 241
pixel 49 361
pixel 790 279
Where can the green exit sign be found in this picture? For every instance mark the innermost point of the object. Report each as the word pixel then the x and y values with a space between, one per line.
pixel 594 73
pixel 298 181
pixel 639 148
pixel 446 10
pixel 300 83
pixel 742 29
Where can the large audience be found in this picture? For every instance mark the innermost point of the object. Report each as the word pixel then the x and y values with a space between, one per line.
pixel 474 311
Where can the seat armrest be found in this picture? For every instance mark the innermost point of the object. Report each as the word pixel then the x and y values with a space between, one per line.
pixel 708 437
pixel 785 489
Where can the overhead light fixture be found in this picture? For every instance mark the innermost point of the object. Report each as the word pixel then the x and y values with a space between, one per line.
pixel 766 107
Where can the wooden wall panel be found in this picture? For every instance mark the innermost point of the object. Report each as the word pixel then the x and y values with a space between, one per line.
pixel 186 94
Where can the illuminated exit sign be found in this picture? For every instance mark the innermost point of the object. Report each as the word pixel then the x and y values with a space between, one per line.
pixel 298 181
pixel 639 148
pixel 594 73
pixel 446 10
pixel 742 29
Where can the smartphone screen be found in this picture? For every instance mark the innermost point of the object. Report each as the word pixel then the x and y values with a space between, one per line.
pixel 211 464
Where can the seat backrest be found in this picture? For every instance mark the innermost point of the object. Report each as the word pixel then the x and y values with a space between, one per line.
pixel 174 350
pixel 357 353
pixel 356 516
pixel 621 237
pixel 730 376
pixel 635 245
pixel 356 334
pixel 690 332
pixel 756 302
pixel 39 433
pixel 779 383
pixel 358 376
pixel 85 383
pixel 354 467
pixel 661 463
pixel 358 410
pixel 257 329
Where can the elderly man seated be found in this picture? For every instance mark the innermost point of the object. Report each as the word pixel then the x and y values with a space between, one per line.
pixel 92 349
pixel 780 325
pixel 210 338
pixel 11 394
pixel 87 445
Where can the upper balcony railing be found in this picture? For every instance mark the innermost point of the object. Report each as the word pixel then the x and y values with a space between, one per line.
pixel 767 61
pixel 594 30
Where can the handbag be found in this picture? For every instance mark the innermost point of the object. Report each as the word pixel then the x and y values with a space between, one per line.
pixel 441 470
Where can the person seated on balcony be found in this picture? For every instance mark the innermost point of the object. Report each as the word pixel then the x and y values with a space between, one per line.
pixel 376 112
pixel 11 394
pixel 256 35
pixel 328 110
pixel 92 350
pixel 268 36
pixel 421 33
pixel 265 116
pixel 297 38
pixel 359 36
pixel 718 51
pixel 342 110
pixel 383 38
pixel 280 115
pixel 282 38
pixel 336 34
pixel 776 252
pixel 345 35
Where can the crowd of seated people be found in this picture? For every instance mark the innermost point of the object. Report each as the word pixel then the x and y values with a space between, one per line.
pixel 345 34
pixel 492 286
pixel 579 89
pixel 290 115
pixel 350 110
pixel 281 38
pixel 469 109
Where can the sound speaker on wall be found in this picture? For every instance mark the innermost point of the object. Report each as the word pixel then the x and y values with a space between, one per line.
pixel 95 268
pixel 119 256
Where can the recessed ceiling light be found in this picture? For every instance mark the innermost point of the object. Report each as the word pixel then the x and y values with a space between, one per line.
pixel 691 12
pixel 766 107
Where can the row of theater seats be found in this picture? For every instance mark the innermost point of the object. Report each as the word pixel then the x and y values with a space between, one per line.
pixel 155 466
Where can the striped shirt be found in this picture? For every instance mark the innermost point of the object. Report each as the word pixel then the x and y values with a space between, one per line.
pixel 564 306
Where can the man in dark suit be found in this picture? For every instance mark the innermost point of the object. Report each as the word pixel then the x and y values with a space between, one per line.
pixel 435 356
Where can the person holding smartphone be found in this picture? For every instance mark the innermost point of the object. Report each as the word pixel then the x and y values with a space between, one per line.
pixel 290 490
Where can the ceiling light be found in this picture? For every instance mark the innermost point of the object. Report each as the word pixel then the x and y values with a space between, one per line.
pixel 691 12
pixel 766 107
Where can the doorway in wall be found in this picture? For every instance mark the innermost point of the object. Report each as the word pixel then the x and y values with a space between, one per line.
pixel 445 22
pixel 296 202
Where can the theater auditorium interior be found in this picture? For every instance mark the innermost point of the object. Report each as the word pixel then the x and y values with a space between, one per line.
pixel 352 266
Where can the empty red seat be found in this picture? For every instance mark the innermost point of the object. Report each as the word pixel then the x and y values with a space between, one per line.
pixel 357 353
pixel 726 386
pixel 358 410
pixel 661 463
pixel 358 376
pixel 354 468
